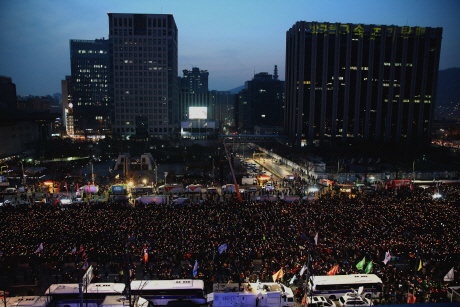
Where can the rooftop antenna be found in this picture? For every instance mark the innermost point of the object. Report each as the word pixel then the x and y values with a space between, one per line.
pixel 275 75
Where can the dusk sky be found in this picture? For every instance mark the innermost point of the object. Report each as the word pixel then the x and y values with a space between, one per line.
pixel 230 38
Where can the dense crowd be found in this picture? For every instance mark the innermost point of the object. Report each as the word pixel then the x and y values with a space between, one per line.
pixel 278 233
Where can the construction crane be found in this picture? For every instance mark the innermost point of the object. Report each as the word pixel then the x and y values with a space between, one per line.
pixel 233 174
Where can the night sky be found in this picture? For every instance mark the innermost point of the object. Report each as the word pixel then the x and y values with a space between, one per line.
pixel 231 39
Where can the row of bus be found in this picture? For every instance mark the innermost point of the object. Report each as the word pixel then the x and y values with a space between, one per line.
pixel 151 293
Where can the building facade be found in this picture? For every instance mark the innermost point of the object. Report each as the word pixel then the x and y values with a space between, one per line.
pixel 195 81
pixel 352 82
pixel 67 105
pixel 145 75
pixel 90 83
pixel 261 102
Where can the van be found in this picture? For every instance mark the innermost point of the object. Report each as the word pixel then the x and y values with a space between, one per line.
pixel 10 191
pixel 252 189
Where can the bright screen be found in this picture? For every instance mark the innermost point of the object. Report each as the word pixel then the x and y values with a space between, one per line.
pixel 198 112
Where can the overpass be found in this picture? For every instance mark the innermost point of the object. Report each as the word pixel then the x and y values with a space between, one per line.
pixel 251 138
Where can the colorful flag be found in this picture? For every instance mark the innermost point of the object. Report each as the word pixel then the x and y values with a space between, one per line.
pixel 303 270
pixel 387 257
pixel 360 264
pixel 195 268
pixel 334 270
pixel 40 248
pixel 420 265
pixel 146 256
pixel 222 248
pixel 278 274
pixel 74 250
pixel 411 298
pixel 292 279
pixel 450 275
pixel 369 268
pixel 316 239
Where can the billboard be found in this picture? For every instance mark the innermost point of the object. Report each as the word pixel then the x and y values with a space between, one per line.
pixel 198 112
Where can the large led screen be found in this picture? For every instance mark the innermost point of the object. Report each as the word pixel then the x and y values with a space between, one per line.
pixel 198 112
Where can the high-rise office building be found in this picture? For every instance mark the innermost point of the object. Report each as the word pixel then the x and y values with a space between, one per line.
pixel 145 80
pixel 354 82
pixel 67 105
pixel 195 81
pixel 8 99
pixel 261 102
pixel 90 84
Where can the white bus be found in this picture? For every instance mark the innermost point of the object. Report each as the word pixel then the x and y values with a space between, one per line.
pixel 26 301
pixel 160 292
pixel 68 295
pixel 334 286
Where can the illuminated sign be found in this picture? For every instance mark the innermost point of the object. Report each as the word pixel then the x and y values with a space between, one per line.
pixel 198 112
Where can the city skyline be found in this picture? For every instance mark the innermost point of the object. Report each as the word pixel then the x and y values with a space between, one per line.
pixel 232 41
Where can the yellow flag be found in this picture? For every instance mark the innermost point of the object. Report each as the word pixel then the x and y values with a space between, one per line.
pixel 420 266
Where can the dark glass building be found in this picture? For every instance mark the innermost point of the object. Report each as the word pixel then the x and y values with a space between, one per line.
pixel 350 83
pixel 145 79
pixel 195 81
pixel 89 82
pixel 261 102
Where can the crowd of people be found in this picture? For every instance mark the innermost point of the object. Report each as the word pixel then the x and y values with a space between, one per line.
pixel 411 225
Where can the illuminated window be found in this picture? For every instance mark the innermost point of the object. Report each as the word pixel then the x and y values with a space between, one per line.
pixel 263 115
pixel 387 64
pixel 306 82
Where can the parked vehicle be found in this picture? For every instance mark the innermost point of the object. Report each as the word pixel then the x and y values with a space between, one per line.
pixel 249 181
pixel 193 188
pixel 157 199
pixel 170 189
pixel 211 191
pixel 228 188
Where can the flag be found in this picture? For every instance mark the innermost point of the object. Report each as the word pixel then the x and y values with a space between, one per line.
pixel 303 270
pixel 360 264
pixel 420 265
pixel 410 298
pixel 40 248
pixel 292 280
pixel 387 257
pixel 450 275
pixel 278 274
pixel 316 239
pixel 74 250
pixel 222 248
pixel 334 270
pixel 81 249
pixel 369 268
pixel 195 268
pixel 146 256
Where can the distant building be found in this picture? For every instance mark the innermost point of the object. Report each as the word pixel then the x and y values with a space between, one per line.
pixel 261 102
pixel 145 65
pixel 223 106
pixel 348 83
pixel 90 88
pixel 19 130
pixel 67 105
pixel 8 99
pixel 195 81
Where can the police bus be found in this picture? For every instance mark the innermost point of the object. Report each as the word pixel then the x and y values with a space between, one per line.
pixel 68 295
pixel 335 286
pixel 160 292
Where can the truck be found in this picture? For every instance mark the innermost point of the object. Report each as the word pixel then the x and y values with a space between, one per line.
pixel 91 189
pixel 261 294
pixel 228 188
pixel 157 199
pixel 249 181
pixel 142 190
pixel 193 188
pixel 170 189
